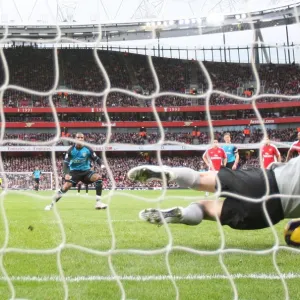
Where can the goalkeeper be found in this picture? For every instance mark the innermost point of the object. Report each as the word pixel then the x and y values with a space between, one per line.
pixel 77 167
pixel 283 179
pixel 36 175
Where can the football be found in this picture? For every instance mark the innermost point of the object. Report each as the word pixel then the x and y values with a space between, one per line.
pixel 292 233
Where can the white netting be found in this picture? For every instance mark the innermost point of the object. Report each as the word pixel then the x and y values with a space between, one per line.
pixel 113 249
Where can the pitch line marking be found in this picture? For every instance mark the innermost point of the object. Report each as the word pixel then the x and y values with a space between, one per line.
pixel 56 278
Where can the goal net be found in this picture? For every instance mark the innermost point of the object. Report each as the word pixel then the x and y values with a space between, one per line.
pixel 25 181
pixel 75 252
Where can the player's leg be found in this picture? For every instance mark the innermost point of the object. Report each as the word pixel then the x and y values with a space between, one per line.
pixel 35 184
pixel 87 189
pixel 38 184
pixel 74 179
pixel 190 215
pixel 185 177
pixel 234 212
pixel 67 185
pixel 229 165
pixel 96 178
pixel 78 188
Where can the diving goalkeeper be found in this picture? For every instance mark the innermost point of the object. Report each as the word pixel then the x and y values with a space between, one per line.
pixel 283 179
pixel 77 167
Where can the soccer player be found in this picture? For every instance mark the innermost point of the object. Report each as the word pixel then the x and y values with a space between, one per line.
pixel 268 153
pixel 77 167
pixel 231 152
pixel 36 175
pixel 295 147
pixel 79 184
pixel 282 178
pixel 214 157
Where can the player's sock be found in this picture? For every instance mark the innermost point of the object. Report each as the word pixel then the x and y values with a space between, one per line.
pixel 58 195
pixel 79 188
pixel 56 198
pixel 86 189
pixel 192 214
pixel 98 185
pixel 186 177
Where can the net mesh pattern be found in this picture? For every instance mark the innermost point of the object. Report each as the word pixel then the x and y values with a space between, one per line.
pixel 113 249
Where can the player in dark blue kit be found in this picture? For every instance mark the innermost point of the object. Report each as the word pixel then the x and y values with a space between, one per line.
pixel 231 152
pixel 77 167
pixel 36 175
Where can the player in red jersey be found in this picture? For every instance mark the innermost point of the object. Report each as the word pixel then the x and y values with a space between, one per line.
pixel 268 152
pixel 215 157
pixel 295 147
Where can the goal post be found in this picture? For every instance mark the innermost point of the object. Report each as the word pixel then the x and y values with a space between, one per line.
pixel 25 181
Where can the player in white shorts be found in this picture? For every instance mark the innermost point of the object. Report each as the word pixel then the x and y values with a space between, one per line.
pixel 283 179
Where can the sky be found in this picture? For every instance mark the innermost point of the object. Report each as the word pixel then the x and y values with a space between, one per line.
pixel 104 11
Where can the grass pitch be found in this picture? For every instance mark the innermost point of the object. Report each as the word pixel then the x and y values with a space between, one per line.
pixel 139 253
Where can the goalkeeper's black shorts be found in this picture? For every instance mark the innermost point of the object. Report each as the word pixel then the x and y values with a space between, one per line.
pixel 242 214
pixel 83 176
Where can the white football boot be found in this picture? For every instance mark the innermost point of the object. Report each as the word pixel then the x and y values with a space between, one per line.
pixel 148 173
pixel 156 216
pixel 100 205
pixel 49 207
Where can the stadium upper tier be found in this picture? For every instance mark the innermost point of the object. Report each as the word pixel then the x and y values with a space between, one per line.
pixel 82 70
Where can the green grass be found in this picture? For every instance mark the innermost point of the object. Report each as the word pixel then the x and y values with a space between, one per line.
pixel 86 227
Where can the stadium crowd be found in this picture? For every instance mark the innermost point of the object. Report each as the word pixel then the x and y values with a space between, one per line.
pixel 278 135
pixel 18 99
pixel 34 68
pixel 118 165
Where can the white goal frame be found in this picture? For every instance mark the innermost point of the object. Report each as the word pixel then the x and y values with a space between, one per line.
pixel 10 182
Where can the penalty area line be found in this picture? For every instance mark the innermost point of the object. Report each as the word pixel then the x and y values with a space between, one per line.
pixel 151 277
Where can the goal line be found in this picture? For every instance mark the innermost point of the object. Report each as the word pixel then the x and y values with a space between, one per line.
pixel 260 276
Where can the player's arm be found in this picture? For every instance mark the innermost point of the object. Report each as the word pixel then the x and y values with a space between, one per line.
pixel 237 158
pixel 67 159
pixel 261 157
pixel 289 154
pixel 277 154
pixel 206 159
pixel 95 158
pixel 224 158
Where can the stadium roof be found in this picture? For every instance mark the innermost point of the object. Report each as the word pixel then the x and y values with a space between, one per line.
pixel 124 20
pixel 43 12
